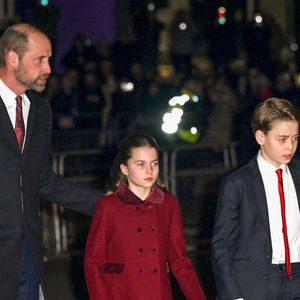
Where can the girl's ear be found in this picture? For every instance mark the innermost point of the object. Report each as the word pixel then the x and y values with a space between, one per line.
pixel 124 169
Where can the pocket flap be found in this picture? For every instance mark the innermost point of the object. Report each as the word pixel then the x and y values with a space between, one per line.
pixel 113 268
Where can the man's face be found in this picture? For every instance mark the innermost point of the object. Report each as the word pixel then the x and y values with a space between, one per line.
pixel 279 144
pixel 33 68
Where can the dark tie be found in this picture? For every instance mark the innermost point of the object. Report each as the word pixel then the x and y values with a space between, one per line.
pixel 19 127
pixel 288 266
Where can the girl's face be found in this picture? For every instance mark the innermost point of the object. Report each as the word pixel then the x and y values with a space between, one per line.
pixel 279 144
pixel 141 170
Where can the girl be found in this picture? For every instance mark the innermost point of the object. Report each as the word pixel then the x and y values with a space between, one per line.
pixel 136 236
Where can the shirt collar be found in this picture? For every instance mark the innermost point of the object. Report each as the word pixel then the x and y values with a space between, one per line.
pixel 7 95
pixel 156 195
pixel 268 167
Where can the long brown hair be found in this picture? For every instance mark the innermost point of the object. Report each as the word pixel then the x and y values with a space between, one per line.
pixel 124 154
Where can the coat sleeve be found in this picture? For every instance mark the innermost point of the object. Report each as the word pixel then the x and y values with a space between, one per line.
pixel 95 254
pixel 224 241
pixel 180 263
pixel 56 188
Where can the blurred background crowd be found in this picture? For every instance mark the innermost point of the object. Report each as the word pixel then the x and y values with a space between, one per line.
pixel 227 57
pixel 189 73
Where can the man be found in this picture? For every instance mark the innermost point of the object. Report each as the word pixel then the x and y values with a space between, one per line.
pixel 25 164
pixel 256 239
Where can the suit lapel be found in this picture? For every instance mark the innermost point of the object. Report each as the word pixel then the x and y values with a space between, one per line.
pixel 30 120
pixel 296 179
pixel 7 130
pixel 259 194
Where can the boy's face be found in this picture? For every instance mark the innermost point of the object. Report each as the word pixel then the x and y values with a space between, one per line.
pixel 279 144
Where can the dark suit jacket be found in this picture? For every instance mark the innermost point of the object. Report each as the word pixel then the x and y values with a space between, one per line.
pixel 25 179
pixel 241 243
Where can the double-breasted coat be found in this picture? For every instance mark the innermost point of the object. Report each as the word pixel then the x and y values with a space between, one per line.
pixel 133 245
pixel 26 178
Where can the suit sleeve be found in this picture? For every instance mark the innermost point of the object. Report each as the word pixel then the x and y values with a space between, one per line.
pixel 56 188
pixel 224 241
pixel 180 263
pixel 95 254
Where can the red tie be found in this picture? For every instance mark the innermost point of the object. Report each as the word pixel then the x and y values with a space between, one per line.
pixel 19 127
pixel 288 265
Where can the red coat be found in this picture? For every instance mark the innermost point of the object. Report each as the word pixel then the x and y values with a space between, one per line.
pixel 132 244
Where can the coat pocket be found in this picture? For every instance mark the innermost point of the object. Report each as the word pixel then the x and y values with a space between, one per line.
pixel 113 268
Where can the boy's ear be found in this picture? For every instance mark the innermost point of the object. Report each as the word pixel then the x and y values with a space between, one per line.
pixel 260 137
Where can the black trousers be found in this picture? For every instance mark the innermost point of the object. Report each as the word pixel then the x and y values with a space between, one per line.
pixel 29 280
pixel 282 288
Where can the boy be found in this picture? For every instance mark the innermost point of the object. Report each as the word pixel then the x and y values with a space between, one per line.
pixel 256 239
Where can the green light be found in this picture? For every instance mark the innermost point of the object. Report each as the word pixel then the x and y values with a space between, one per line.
pixel 222 21
pixel 44 2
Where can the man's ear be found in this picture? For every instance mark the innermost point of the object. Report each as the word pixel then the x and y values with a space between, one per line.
pixel 12 58
pixel 260 137
pixel 124 169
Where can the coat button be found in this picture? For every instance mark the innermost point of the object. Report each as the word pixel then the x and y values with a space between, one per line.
pixel 140 250
pixel 137 208
pixel 155 270
pixel 141 271
pixel 153 227
pixel 266 277
pixel 153 250
pixel 139 229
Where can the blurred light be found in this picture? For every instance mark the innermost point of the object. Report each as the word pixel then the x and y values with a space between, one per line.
pixel 258 18
pixel 221 11
pixel 171 118
pixel 195 98
pixel 193 130
pixel 177 112
pixel 181 100
pixel 167 117
pixel 151 6
pixel 88 42
pixel 221 15
pixel 222 21
pixel 44 2
pixel 169 128
pixel 165 71
pixel 182 26
pixel 127 86
pixel 297 79
pixel 294 46
pixel 187 136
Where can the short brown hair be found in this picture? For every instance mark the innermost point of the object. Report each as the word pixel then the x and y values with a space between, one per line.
pixel 15 38
pixel 272 110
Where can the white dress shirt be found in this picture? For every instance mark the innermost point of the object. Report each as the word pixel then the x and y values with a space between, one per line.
pixel 9 99
pixel 270 180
